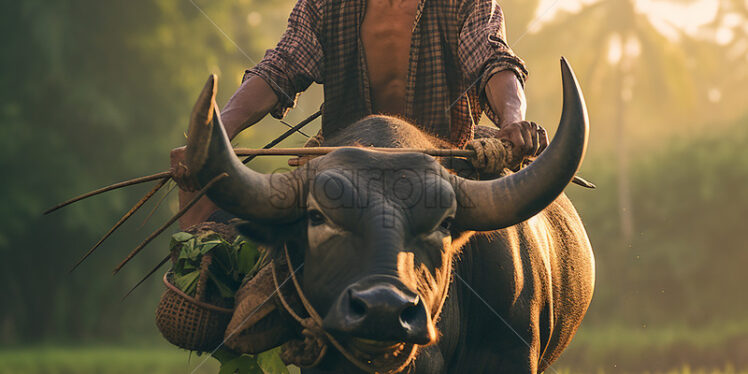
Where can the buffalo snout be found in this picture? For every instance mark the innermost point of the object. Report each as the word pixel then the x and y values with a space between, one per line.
pixel 381 309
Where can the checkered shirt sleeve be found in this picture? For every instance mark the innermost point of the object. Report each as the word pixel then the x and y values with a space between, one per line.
pixel 483 50
pixel 296 61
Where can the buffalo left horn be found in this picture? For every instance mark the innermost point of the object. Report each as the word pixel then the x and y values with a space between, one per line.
pixel 503 202
pixel 245 193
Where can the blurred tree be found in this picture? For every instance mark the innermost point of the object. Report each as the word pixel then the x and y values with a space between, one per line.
pixel 624 59
pixel 724 64
pixel 95 92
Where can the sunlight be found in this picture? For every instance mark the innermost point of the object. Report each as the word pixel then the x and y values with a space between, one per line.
pixel 615 49
pixel 669 18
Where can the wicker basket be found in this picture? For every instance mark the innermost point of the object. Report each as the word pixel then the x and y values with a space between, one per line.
pixel 190 322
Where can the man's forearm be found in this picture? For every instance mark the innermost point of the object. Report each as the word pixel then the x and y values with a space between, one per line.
pixel 506 97
pixel 249 104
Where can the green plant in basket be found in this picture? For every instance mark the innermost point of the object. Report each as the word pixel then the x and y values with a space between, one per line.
pixel 231 263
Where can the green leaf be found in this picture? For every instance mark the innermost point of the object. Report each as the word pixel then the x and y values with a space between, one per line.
pixel 213 242
pixel 182 236
pixel 211 236
pixel 183 255
pixel 224 355
pixel 186 282
pixel 225 290
pixel 192 252
pixel 244 364
pixel 247 258
pixel 271 363
pixel 206 247
pixel 224 256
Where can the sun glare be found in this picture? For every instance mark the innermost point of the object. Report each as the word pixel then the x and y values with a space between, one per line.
pixel 668 17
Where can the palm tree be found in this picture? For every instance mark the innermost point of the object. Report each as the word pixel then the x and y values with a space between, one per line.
pixel 623 58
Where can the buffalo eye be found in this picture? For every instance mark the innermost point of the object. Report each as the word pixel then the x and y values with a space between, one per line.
pixel 316 218
pixel 446 225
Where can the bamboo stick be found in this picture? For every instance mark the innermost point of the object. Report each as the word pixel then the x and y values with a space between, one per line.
pixel 122 220
pixel 168 223
pixel 160 264
pixel 319 151
pixel 147 178
pixel 155 207
pixel 285 135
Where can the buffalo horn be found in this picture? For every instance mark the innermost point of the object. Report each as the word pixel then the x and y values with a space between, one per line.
pixel 245 193
pixel 503 202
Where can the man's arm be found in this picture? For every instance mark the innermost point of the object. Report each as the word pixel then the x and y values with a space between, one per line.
pixel 250 103
pixel 486 59
pixel 506 97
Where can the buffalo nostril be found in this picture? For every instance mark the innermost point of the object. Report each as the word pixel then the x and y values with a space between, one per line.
pixel 415 322
pixel 411 311
pixel 357 307
pixel 409 315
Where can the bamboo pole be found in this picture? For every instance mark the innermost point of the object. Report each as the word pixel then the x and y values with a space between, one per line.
pixel 285 135
pixel 168 223
pixel 122 220
pixel 160 264
pixel 147 178
pixel 319 151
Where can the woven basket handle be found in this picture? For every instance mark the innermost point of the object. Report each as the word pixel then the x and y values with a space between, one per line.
pixel 202 280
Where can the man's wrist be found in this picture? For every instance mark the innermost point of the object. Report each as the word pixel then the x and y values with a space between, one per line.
pixel 508 121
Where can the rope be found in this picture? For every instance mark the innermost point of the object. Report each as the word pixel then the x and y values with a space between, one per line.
pixel 491 155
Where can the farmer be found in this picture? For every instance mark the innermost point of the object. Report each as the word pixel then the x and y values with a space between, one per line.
pixel 439 64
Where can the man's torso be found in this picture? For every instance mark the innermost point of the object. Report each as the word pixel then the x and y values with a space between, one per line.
pixel 386 36
pixel 422 60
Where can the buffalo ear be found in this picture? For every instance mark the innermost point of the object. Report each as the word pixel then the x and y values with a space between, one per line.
pixel 269 235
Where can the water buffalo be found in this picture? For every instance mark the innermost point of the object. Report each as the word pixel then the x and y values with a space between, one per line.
pixel 408 263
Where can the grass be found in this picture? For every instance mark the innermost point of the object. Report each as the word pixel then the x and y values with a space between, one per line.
pixel 103 360
pixel 164 360
pixel 727 369
pixel 659 349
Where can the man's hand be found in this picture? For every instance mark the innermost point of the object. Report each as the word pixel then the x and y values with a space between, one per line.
pixel 180 173
pixel 522 139
pixel 507 99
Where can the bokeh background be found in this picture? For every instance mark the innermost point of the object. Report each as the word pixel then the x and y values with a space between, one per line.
pixel 99 91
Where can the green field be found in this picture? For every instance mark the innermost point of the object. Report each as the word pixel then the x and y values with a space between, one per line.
pixel 163 360
pixel 103 360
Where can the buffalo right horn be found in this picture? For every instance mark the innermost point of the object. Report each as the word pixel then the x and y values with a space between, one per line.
pixel 507 201
pixel 245 193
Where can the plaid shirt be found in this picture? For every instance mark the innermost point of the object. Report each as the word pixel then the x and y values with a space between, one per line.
pixel 457 45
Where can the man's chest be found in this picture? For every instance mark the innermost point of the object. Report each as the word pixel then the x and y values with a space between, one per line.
pixel 388 17
pixel 387 29
pixel 386 34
